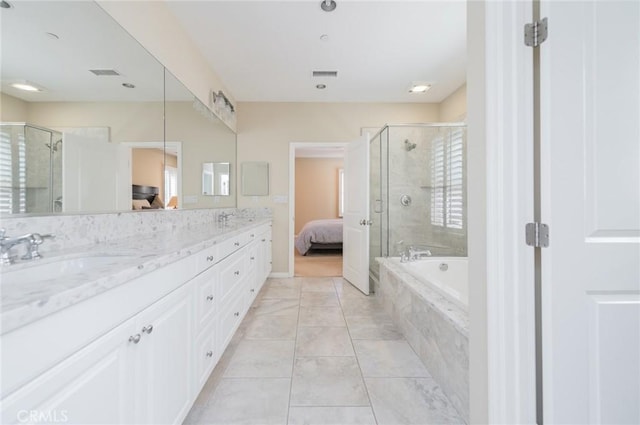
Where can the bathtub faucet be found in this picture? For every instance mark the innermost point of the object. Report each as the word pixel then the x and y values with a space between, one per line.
pixel 416 254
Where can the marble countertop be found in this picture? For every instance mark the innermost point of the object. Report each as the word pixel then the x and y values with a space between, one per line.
pixel 28 300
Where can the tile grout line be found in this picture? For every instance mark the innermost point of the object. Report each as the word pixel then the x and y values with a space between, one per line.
pixel 364 383
pixel 295 344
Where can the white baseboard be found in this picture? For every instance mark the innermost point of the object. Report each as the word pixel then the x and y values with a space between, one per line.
pixel 279 275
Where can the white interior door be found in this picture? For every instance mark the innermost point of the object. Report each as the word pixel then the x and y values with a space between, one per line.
pixel 355 261
pixel 590 156
pixel 96 175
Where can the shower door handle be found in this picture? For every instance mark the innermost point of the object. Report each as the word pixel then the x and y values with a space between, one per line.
pixel 377 208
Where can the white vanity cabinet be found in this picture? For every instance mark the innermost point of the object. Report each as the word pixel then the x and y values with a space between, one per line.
pixel 139 353
pixel 121 377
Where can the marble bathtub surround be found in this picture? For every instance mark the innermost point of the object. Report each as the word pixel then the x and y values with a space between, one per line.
pixel 168 236
pixel 434 326
pixel 333 377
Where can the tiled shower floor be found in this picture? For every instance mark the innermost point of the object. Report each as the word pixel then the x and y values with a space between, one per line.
pixel 317 351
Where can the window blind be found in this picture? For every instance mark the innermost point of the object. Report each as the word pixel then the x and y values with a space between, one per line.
pixel 447 181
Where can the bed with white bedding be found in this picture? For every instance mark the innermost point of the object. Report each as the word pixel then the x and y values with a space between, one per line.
pixel 320 234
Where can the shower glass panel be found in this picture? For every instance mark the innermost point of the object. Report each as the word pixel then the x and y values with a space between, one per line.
pixel 418 190
pixel 30 169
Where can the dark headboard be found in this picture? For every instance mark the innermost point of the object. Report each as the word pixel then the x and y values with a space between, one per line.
pixel 144 192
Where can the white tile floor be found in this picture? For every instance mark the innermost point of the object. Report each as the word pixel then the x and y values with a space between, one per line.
pixel 317 351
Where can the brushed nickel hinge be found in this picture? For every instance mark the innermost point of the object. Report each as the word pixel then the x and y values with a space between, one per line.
pixel 537 235
pixel 536 33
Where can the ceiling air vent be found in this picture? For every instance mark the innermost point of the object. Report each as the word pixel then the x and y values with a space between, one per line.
pixel 333 74
pixel 105 72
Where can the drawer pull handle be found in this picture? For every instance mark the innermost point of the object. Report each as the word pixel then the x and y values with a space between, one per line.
pixel 209 353
pixel 209 297
pixel 236 243
pixel 237 272
pixel 135 338
pixel 253 236
pixel 253 258
pixel 237 314
pixel 148 329
pixel 263 240
pixel 253 290
pixel 209 257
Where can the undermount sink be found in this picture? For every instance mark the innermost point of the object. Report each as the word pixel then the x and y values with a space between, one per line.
pixel 44 270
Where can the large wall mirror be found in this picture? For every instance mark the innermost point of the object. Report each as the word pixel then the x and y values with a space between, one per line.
pixel 95 127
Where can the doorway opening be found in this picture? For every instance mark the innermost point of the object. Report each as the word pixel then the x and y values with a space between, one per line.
pixel 316 192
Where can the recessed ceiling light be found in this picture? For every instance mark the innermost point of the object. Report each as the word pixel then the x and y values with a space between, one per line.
pixel 128 85
pixel 5 4
pixel 321 86
pixel 419 88
pixel 328 5
pixel 26 86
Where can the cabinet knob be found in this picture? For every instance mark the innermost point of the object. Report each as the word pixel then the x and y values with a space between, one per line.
pixel 209 257
pixel 148 329
pixel 253 236
pixel 253 258
pixel 263 240
pixel 252 290
pixel 135 338
pixel 209 297
pixel 237 313
pixel 209 353
pixel 237 272
pixel 236 243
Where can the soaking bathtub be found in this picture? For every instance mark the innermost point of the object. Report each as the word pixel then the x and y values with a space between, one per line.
pixel 449 275
pixel 428 302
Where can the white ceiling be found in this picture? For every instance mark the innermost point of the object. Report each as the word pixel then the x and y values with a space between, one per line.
pixel 266 50
pixel 88 39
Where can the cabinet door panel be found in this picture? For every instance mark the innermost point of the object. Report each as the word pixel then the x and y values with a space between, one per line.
pixel 206 298
pixel 164 395
pixel 93 386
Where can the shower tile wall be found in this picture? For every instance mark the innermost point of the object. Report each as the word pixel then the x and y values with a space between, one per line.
pixel 410 174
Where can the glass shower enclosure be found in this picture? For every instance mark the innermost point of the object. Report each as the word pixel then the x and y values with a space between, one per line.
pixel 418 188
pixel 30 169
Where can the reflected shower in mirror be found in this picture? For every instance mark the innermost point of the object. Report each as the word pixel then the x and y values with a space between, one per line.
pixel 97 90
pixel 216 178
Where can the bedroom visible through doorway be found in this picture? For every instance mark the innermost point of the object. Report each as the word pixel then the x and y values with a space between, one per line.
pixel 317 215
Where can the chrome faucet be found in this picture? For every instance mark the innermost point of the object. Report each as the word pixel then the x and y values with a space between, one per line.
pixel 33 240
pixel 414 254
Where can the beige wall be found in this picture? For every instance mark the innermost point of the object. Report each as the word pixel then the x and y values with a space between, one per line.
pixel 316 189
pixel 12 109
pixel 265 131
pixel 454 107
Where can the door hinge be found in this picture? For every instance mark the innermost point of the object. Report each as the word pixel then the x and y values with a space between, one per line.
pixel 537 235
pixel 536 33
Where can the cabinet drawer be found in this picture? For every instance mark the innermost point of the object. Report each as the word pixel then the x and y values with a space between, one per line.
pixel 206 356
pixel 207 258
pixel 231 245
pixel 232 271
pixel 229 320
pixel 206 299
